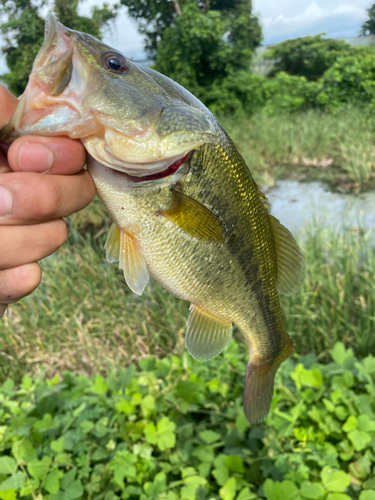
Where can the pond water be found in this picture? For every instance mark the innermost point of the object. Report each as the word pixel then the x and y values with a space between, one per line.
pixel 297 204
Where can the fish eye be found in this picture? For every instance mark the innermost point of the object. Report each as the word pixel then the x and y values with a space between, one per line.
pixel 115 62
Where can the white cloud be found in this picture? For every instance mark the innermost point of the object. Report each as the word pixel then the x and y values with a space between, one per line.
pixel 282 19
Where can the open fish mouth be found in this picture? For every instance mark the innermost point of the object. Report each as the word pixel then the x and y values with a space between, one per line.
pixel 172 169
pixel 124 181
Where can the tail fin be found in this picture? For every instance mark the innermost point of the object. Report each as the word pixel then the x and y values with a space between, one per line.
pixel 259 382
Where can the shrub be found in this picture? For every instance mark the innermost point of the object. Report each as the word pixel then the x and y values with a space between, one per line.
pixel 350 79
pixel 289 93
pixel 244 93
pixel 309 56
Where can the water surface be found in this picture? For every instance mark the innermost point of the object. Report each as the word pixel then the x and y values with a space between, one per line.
pixel 297 204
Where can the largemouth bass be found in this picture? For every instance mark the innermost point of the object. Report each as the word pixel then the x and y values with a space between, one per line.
pixel 184 205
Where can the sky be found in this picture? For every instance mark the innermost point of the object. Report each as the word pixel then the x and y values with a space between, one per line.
pixel 281 19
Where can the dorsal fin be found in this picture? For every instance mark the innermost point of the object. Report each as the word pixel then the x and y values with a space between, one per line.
pixel 290 261
pixel 264 200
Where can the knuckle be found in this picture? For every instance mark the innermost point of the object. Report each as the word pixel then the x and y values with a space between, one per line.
pixel 51 197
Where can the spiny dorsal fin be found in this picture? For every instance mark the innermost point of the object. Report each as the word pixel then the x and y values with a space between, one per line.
pixel 290 261
pixel 264 199
pixel 193 217
pixel 112 244
pixel 133 264
pixel 206 335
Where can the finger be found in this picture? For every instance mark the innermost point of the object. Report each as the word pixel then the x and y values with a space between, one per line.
pixel 24 244
pixel 32 198
pixel 18 282
pixel 55 155
pixel 8 104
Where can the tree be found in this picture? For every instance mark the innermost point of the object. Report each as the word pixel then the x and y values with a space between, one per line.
pixel 155 16
pixel 152 17
pixel 368 27
pixel 309 56
pixel 23 32
pixel 198 42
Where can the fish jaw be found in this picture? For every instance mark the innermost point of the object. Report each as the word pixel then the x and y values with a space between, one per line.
pixel 53 101
pixel 127 122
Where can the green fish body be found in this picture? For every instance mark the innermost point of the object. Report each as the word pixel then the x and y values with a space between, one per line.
pixel 185 208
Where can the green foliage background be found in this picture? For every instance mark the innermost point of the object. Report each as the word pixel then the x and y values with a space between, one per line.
pixel 174 429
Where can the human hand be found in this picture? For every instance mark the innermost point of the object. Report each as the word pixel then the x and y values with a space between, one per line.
pixel 41 181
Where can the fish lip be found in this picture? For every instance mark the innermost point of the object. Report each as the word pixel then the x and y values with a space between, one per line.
pixel 138 182
pixel 140 170
pixel 172 169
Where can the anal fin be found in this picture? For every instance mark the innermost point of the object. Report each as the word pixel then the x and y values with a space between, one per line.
pixel 133 264
pixel 259 384
pixel 206 335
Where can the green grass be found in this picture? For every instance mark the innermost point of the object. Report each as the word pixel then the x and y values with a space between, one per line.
pixel 338 148
pixel 337 299
pixel 84 318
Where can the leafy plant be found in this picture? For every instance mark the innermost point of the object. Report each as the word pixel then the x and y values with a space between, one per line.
pixel 174 429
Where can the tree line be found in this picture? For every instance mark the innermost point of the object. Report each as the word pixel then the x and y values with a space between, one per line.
pixel 208 46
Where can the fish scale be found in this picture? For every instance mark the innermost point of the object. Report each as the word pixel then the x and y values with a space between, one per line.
pixel 184 205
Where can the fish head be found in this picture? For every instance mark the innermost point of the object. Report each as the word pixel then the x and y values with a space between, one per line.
pixel 129 117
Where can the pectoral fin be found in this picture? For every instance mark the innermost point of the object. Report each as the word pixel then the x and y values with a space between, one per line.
pixel 206 335
pixel 112 244
pixel 193 217
pixel 133 264
pixel 121 247
pixel 290 261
